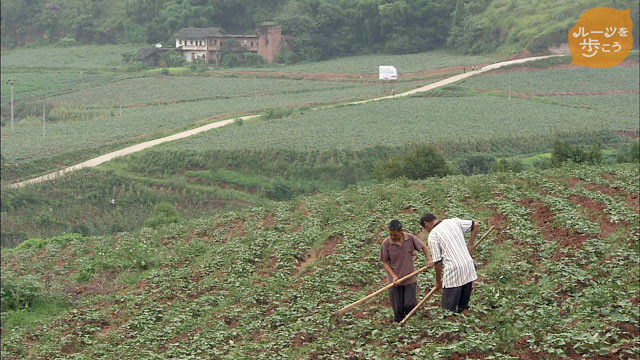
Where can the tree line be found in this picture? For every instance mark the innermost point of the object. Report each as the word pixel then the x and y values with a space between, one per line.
pixel 317 29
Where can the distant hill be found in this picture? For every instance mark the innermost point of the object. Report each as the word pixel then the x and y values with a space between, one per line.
pixel 317 29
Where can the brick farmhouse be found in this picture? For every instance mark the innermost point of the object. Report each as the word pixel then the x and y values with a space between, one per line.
pixel 209 43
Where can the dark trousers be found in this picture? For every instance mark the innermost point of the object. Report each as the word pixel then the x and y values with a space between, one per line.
pixel 403 300
pixel 456 299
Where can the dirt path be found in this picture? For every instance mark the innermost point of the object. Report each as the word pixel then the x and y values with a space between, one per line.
pixel 145 145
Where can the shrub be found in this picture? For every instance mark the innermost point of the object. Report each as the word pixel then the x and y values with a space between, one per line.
pixel 506 165
pixel 629 153
pixel 163 213
pixel 279 190
pixel 563 152
pixel 420 163
pixel 476 164
pixel 21 293
pixel 173 59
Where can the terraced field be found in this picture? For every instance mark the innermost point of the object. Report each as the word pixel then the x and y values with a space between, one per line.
pixel 559 278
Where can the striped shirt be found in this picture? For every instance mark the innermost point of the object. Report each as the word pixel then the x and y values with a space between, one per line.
pixel 447 244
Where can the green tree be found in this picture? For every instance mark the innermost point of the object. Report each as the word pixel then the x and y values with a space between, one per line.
pixel 420 163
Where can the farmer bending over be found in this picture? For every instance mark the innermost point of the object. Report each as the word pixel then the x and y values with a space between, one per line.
pixel 448 249
pixel 396 254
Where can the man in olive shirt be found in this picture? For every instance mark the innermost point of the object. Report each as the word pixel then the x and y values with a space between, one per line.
pixel 396 254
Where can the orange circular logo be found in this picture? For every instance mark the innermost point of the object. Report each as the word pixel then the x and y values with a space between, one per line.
pixel 602 37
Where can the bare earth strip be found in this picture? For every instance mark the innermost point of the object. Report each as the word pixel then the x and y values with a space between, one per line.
pixel 145 145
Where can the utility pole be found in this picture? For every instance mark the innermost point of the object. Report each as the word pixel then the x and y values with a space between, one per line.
pixel 44 115
pixel 509 84
pixel 11 82
pixel 255 91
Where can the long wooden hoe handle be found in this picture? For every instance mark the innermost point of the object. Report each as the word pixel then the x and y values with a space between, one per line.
pixel 413 311
pixel 482 238
pixel 388 286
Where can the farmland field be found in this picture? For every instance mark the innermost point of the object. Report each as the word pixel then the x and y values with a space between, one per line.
pixel 265 282
pixel 30 84
pixel 159 90
pixel 610 104
pixel 106 126
pixel 398 122
pixel 368 64
pixel 74 57
pixel 560 80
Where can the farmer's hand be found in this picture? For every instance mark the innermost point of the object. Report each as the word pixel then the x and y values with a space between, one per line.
pixel 395 279
pixel 470 248
pixel 438 286
pixel 430 264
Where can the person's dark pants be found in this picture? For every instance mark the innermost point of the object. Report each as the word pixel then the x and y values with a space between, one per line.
pixel 403 300
pixel 456 299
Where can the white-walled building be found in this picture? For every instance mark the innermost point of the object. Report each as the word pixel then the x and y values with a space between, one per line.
pixel 208 43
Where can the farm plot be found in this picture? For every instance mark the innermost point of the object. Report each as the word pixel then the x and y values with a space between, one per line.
pixel 169 89
pixel 620 105
pixel 26 142
pixel 583 80
pixel 368 64
pixel 38 83
pixel 76 57
pixel 475 119
pixel 265 282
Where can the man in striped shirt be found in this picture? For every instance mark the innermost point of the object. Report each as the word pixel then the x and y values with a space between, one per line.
pixel 449 250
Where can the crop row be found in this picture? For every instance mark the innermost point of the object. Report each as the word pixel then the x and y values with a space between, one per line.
pixel 415 120
pixel 264 283
pixel 25 141
pixel 564 80
pixel 159 90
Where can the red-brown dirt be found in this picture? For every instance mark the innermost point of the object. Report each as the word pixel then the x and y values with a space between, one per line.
pixel 543 217
pixel 631 199
pixel 596 213
pixel 327 249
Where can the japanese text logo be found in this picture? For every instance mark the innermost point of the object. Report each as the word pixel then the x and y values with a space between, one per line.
pixel 602 37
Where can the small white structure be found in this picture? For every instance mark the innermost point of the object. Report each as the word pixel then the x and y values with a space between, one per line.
pixel 388 73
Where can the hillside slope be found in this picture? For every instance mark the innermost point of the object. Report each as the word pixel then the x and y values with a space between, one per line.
pixel 559 277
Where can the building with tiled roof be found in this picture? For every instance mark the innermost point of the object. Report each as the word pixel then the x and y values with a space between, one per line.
pixel 208 43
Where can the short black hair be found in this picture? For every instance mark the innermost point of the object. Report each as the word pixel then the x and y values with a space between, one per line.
pixel 428 217
pixel 395 225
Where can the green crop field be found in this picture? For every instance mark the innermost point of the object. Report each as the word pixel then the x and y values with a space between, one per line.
pixel 158 90
pixel 368 64
pixel 399 122
pixel 107 126
pixel 39 83
pixel 621 104
pixel 266 282
pixel 75 57
pixel 560 80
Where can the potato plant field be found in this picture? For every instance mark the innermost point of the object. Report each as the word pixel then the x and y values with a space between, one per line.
pixel 557 279
pixel 100 127
pixel 72 57
pixel 485 122
pixel 172 89
pixel 568 80
pixel 368 64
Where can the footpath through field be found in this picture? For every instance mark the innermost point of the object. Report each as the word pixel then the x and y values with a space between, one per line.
pixel 145 145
